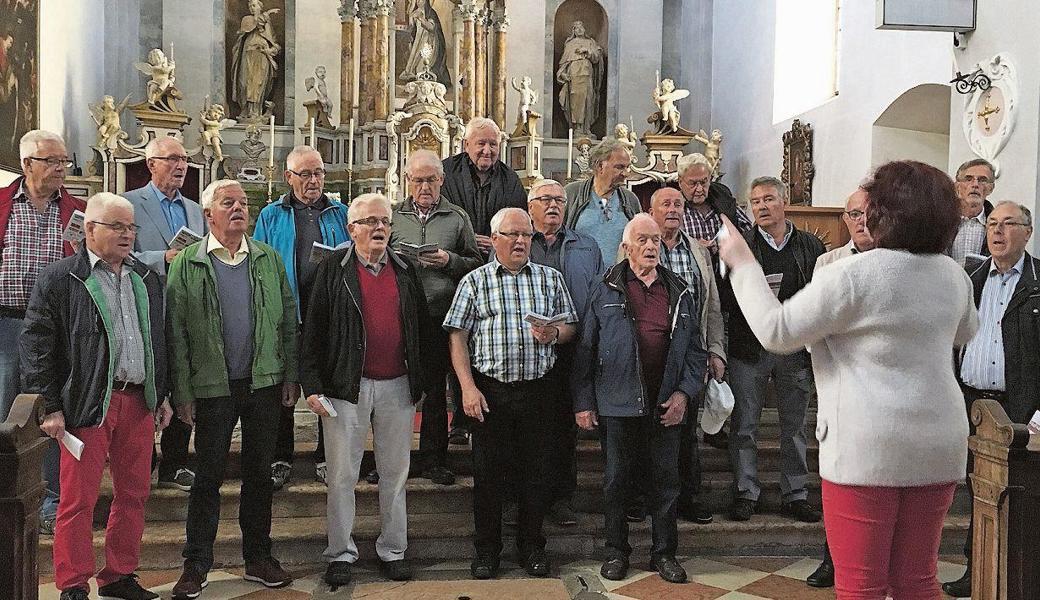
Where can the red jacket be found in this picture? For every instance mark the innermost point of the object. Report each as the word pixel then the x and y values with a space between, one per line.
pixel 66 206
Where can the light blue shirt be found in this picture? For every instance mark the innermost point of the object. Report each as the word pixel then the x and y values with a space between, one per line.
pixel 983 364
pixel 173 209
pixel 787 237
pixel 593 222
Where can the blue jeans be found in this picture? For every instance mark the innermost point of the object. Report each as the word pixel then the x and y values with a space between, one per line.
pixel 10 385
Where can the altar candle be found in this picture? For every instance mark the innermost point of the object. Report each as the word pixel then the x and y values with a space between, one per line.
pixel 314 142
pixel 171 50
pixel 350 147
pixel 570 151
pixel 270 150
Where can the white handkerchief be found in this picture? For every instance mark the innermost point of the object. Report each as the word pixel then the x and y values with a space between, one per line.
pixel 73 444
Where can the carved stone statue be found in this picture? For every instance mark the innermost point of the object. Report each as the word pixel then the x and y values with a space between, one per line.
pixel 251 169
pixel 712 147
pixel 526 118
pixel 581 73
pixel 212 122
pixel 321 90
pixel 106 116
pixel 426 31
pixel 626 137
pixel 665 96
pixel 253 66
pixel 583 158
pixel 161 91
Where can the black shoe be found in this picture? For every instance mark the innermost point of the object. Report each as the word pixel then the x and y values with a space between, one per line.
pixel 458 436
pixel 125 588
pixel 562 514
pixel 718 440
pixel 439 475
pixel 510 514
pixel 695 512
pixel 822 577
pixel 669 569
pixel 614 569
pixel 483 567
pixel 800 510
pixel 961 588
pixel 372 477
pixel 181 480
pixel 76 593
pixel 635 513
pixel 742 509
pixel 536 564
pixel 281 473
pixel 337 573
pixel 396 570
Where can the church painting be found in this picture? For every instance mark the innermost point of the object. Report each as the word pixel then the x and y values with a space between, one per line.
pixel 19 76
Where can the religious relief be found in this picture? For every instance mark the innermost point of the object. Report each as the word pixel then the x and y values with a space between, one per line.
pixel 319 109
pixel 161 89
pixel 627 137
pixel 989 114
pixel 254 67
pixel 581 74
pixel 427 50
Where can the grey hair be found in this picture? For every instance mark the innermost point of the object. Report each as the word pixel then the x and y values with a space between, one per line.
pixel 687 162
pixel 366 200
pixel 152 149
pixel 1026 214
pixel 477 123
pixel 533 193
pixel 976 162
pixel 626 236
pixel 496 221
pixel 770 181
pixel 424 157
pixel 653 197
pixel 30 142
pixel 298 153
pixel 210 193
pixel 101 202
pixel 602 151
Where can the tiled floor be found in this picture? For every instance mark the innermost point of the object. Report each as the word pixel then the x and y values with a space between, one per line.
pixel 717 578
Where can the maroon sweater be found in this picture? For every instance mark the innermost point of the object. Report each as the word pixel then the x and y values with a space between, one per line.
pixel 649 306
pixel 381 313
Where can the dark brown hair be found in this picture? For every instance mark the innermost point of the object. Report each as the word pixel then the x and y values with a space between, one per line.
pixel 912 206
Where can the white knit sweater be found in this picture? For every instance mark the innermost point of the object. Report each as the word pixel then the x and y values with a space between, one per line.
pixel 882 326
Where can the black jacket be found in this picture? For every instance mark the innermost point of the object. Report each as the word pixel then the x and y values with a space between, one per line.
pixel 333 344
pixel 807 248
pixel 458 188
pixel 1020 331
pixel 64 348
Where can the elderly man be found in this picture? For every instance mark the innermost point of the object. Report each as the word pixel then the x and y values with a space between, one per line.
pixel 787 256
pixel 232 332
pixel 578 257
pixel 292 225
pixel 504 365
pixel 1002 362
pixel 362 289
pixel 691 262
pixel 601 206
pixel 974 183
pixel 160 211
pixel 427 218
pixel 34 210
pixel 94 348
pixel 639 364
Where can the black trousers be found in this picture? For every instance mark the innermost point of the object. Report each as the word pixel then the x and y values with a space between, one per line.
pixel 285 445
pixel 215 420
pixel 512 444
pixel 174 443
pixel 564 462
pixel 689 455
pixel 433 433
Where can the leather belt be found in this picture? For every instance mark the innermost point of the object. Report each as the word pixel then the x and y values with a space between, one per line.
pixel 126 386
pixel 975 393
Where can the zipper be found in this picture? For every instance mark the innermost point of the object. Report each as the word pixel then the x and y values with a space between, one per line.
pixel 364 334
pixel 111 361
pixel 632 331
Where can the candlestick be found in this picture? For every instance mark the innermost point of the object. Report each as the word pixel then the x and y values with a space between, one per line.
pixel 171 50
pixel 270 149
pixel 350 146
pixel 570 151
pixel 314 142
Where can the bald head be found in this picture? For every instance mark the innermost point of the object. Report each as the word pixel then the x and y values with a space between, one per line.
pixel 641 243
pixel 855 218
pixel 666 208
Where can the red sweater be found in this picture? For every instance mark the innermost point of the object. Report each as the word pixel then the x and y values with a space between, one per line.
pixel 381 313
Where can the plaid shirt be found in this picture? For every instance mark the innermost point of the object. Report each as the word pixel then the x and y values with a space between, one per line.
pixel 490 303
pixel 704 227
pixel 971 237
pixel 681 261
pixel 33 241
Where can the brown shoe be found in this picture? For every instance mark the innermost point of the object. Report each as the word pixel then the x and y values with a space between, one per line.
pixel 268 572
pixel 191 583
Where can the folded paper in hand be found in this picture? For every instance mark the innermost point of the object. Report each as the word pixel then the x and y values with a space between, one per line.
pixel 73 444
pixel 74 232
pixel 718 404
pixel 544 321
pixel 184 238
pixel 414 250
pixel 320 251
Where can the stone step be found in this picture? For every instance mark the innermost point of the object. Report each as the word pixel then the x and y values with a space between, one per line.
pixel 301 540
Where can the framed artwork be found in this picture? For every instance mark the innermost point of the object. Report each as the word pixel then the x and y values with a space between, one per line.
pixel 518 158
pixel 19 76
pixel 799 169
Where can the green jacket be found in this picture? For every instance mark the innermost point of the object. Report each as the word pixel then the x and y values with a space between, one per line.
pixel 194 334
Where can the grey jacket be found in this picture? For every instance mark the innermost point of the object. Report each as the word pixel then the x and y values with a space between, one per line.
pixel 153 239
pixel 580 192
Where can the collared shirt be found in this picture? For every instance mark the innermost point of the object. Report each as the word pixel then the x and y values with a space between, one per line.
pixel 33 241
pixel 772 242
pixel 983 364
pixel 545 254
pixel 971 235
pixel 649 306
pixel 423 213
pixel 306 220
pixel 221 253
pixel 706 226
pixel 375 266
pixel 173 208
pixel 490 304
pixel 127 343
pixel 681 261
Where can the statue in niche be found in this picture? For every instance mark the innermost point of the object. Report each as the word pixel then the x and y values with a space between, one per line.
pixel 581 73
pixel 106 116
pixel 253 63
pixel 665 96
pixel 212 122
pixel 161 91
pixel 426 31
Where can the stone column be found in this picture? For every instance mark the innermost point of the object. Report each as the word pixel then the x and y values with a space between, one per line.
pixel 467 62
pixel 381 59
pixel 366 97
pixel 348 67
pixel 480 31
pixel 499 23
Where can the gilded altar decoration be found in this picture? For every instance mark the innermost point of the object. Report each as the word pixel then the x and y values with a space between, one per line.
pixel 106 116
pixel 253 66
pixel 162 93
pixel 666 95
pixel 989 114
pixel 799 169
pixel 581 74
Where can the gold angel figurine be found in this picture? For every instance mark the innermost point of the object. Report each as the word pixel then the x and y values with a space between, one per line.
pixel 212 122
pixel 665 96
pixel 712 147
pixel 626 137
pixel 106 116
pixel 161 91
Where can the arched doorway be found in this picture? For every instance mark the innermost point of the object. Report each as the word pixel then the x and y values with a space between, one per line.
pixel 916 126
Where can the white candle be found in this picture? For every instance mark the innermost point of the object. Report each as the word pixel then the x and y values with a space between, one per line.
pixel 171 50
pixel 270 150
pixel 350 146
pixel 314 142
pixel 570 151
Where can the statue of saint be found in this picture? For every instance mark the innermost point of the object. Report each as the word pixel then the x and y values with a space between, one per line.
pixel 581 73
pixel 253 62
pixel 426 30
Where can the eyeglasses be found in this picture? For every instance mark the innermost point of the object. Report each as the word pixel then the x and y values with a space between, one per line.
pixel 173 158
pixel 855 215
pixel 54 162
pixel 995 225
pixel 119 227
pixel 694 183
pixel 421 181
pixel 513 235
pixel 973 179
pixel 551 199
pixel 305 175
pixel 373 221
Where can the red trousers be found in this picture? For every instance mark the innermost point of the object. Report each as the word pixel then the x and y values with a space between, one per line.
pixel 885 540
pixel 125 438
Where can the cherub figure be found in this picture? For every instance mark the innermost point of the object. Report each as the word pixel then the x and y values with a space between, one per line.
pixel 665 96
pixel 161 91
pixel 525 108
pixel 212 122
pixel 106 116
pixel 321 91
pixel 712 147
pixel 626 137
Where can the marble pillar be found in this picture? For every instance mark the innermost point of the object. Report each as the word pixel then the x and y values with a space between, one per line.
pixel 348 62
pixel 366 98
pixel 381 63
pixel 480 32
pixel 467 61
pixel 499 24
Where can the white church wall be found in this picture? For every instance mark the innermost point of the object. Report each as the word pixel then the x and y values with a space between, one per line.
pixel 318 41
pixel 893 143
pixel 196 30
pixel 875 67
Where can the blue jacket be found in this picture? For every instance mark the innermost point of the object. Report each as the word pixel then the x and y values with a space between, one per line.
pixel 583 268
pixel 607 377
pixel 276 227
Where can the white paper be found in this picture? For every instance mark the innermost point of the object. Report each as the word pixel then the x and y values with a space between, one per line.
pixel 184 238
pixel 319 251
pixel 73 444
pixel 1034 423
pixel 774 282
pixel 544 321
pixel 327 404
pixel 74 230
pixel 722 235
pixel 416 249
